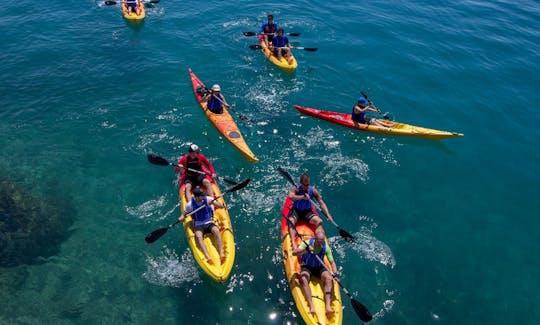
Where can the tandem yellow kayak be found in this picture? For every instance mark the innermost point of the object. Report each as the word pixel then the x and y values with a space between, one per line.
pixel 223 122
pixel 133 15
pixel 218 270
pixel 292 271
pixel 401 129
pixel 287 66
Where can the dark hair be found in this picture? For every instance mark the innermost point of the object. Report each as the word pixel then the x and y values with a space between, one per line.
pixel 280 30
pixel 270 17
pixel 198 191
pixel 303 178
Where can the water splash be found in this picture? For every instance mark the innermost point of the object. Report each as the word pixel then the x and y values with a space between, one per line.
pixel 238 280
pixel 370 247
pixel 169 270
pixel 148 208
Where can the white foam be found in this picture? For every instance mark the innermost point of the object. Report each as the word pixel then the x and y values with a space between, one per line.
pixel 169 270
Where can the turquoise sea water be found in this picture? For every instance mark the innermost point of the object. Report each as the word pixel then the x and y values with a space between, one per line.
pixel 447 230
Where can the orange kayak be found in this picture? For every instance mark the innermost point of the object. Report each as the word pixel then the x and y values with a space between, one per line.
pixel 223 122
pixel 292 271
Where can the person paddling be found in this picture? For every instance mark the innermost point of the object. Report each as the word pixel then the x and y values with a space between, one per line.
pixel 303 209
pixel 311 266
pixel 194 160
pixel 281 47
pixel 132 5
pixel 268 29
pixel 203 221
pixel 215 100
pixel 359 114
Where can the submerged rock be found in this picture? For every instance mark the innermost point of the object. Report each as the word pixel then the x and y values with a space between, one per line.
pixel 31 228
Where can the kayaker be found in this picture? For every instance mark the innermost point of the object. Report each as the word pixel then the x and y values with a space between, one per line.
pixel 215 100
pixel 359 114
pixel 311 266
pixel 303 208
pixel 194 160
pixel 202 221
pixel 268 29
pixel 133 5
pixel 280 46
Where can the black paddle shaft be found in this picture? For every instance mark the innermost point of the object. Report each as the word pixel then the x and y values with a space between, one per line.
pixel 156 234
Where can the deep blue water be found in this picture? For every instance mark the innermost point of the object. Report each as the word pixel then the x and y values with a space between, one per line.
pixel 446 230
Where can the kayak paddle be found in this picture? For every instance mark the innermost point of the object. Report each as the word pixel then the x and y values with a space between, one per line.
pixel 253 34
pixel 309 49
pixel 147 3
pixel 229 107
pixel 160 161
pixel 360 309
pixel 385 116
pixel 348 237
pixel 156 234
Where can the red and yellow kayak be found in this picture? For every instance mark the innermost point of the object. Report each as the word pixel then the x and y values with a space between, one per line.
pixel 224 123
pixel 292 271
pixel 218 270
pixel 287 66
pixel 133 15
pixel 401 129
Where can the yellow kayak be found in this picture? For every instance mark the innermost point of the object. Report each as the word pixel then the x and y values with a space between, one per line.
pixel 219 271
pixel 292 271
pixel 283 64
pixel 223 122
pixel 133 15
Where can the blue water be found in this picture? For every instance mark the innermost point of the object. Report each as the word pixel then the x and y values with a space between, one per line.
pixel 446 230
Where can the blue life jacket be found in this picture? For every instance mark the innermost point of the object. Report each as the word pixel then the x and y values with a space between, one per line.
pixel 214 105
pixel 309 259
pixel 280 42
pixel 358 117
pixel 302 205
pixel 269 28
pixel 204 215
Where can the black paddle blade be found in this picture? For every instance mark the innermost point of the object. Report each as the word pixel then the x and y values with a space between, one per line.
pixel 230 181
pixel 255 47
pixel 157 160
pixel 110 3
pixel 249 34
pixel 363 93
pixel 239 186
pixel 310 49
pixel 284 173
pixel 348 237
pixel 293 34
pixel 154 235
pixel 361 310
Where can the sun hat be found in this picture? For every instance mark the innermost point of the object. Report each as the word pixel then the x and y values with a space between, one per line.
pixel 216 87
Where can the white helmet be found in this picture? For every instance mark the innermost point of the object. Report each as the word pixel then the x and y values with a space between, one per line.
pixel 194 148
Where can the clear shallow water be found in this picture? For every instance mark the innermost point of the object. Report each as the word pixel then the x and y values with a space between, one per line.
pixel 446 230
